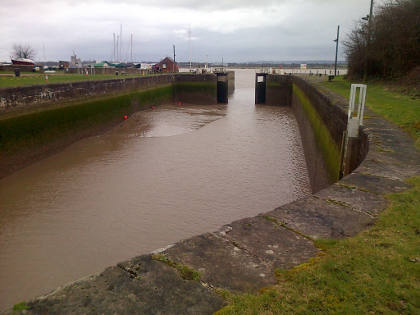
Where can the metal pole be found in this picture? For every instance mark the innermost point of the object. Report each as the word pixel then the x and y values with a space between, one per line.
pixel 113 59
pixel 131 48
pixel 336 50
pixel 189 42
pixel 174 58
pixel 368 40
pixel 120 53
pixel 118 50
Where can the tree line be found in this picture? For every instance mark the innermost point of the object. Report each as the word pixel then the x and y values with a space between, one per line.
pixel 387 44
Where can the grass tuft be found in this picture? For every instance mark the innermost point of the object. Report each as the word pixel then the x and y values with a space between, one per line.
pixel 22 306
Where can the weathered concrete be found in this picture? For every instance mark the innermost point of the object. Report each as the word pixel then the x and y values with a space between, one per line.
pixel 195 88
pixel 243 255
pixel 138 286
pixel 278 90
pixel 26 97
pixel 319 218
pixel 189 88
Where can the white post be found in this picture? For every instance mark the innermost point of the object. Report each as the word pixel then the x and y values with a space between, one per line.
pixel 355 116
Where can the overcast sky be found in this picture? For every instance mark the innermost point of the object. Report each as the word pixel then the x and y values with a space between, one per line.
pixel 237 30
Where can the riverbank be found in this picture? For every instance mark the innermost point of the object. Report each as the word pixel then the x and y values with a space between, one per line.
pixel 401 109
pixel 27 79
pixel 377 271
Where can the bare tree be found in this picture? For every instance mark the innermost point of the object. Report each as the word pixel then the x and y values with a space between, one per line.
pixel 23 51
pixel 391 48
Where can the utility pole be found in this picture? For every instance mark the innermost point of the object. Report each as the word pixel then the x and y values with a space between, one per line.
pixel 173 46
pixel 131 48
pixel 113 59
pixel 118 50
pixel 189 41
pixel 120 53
pixel 336 49
pixel 369 19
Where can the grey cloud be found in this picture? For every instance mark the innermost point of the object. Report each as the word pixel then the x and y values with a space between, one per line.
pixel 61 26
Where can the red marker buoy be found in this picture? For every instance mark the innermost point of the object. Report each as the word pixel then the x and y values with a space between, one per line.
pixel 125 117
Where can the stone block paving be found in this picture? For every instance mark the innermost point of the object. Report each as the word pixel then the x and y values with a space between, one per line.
pixel 243 256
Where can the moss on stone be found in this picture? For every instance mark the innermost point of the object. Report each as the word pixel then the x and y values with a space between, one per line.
pixel 197 87
pixel 22 306
pixel 186 272
pixel 325 142
pixel 42 127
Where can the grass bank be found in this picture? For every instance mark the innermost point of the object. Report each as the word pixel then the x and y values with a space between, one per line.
pixel 403 110
pixel 376 272
pixel 36 79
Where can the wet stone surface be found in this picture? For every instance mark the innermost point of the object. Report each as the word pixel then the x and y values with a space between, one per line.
pixel 243 256
pixel 276 246
pixel 138 286
pixel 318 218
pixel 351 196
pixel 222 264
pixel 375 184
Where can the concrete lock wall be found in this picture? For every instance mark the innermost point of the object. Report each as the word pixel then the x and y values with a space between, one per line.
pixel 231 82
pixel 36 121
pixel 196 88
pixel 33 96
pixel 322 126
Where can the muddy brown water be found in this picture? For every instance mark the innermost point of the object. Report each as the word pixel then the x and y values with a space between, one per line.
pixel 159 177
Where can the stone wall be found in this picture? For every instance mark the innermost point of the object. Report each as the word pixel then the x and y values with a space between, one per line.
pixel 195 88
pixel 30 96
pixel 322 124
pixel 36 121
pixel 278 90
pixel 231 82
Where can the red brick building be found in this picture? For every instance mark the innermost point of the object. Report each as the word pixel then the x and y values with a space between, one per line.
pixel 166 65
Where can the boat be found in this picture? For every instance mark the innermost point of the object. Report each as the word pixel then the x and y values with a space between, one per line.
pixel 23 61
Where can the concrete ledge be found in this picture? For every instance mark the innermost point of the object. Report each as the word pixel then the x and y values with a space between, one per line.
pixel 243 255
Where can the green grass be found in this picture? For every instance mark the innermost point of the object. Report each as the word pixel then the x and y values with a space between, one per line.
pixel 22 306
pixel 11 81
pixel 403 110
pixel 376 272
